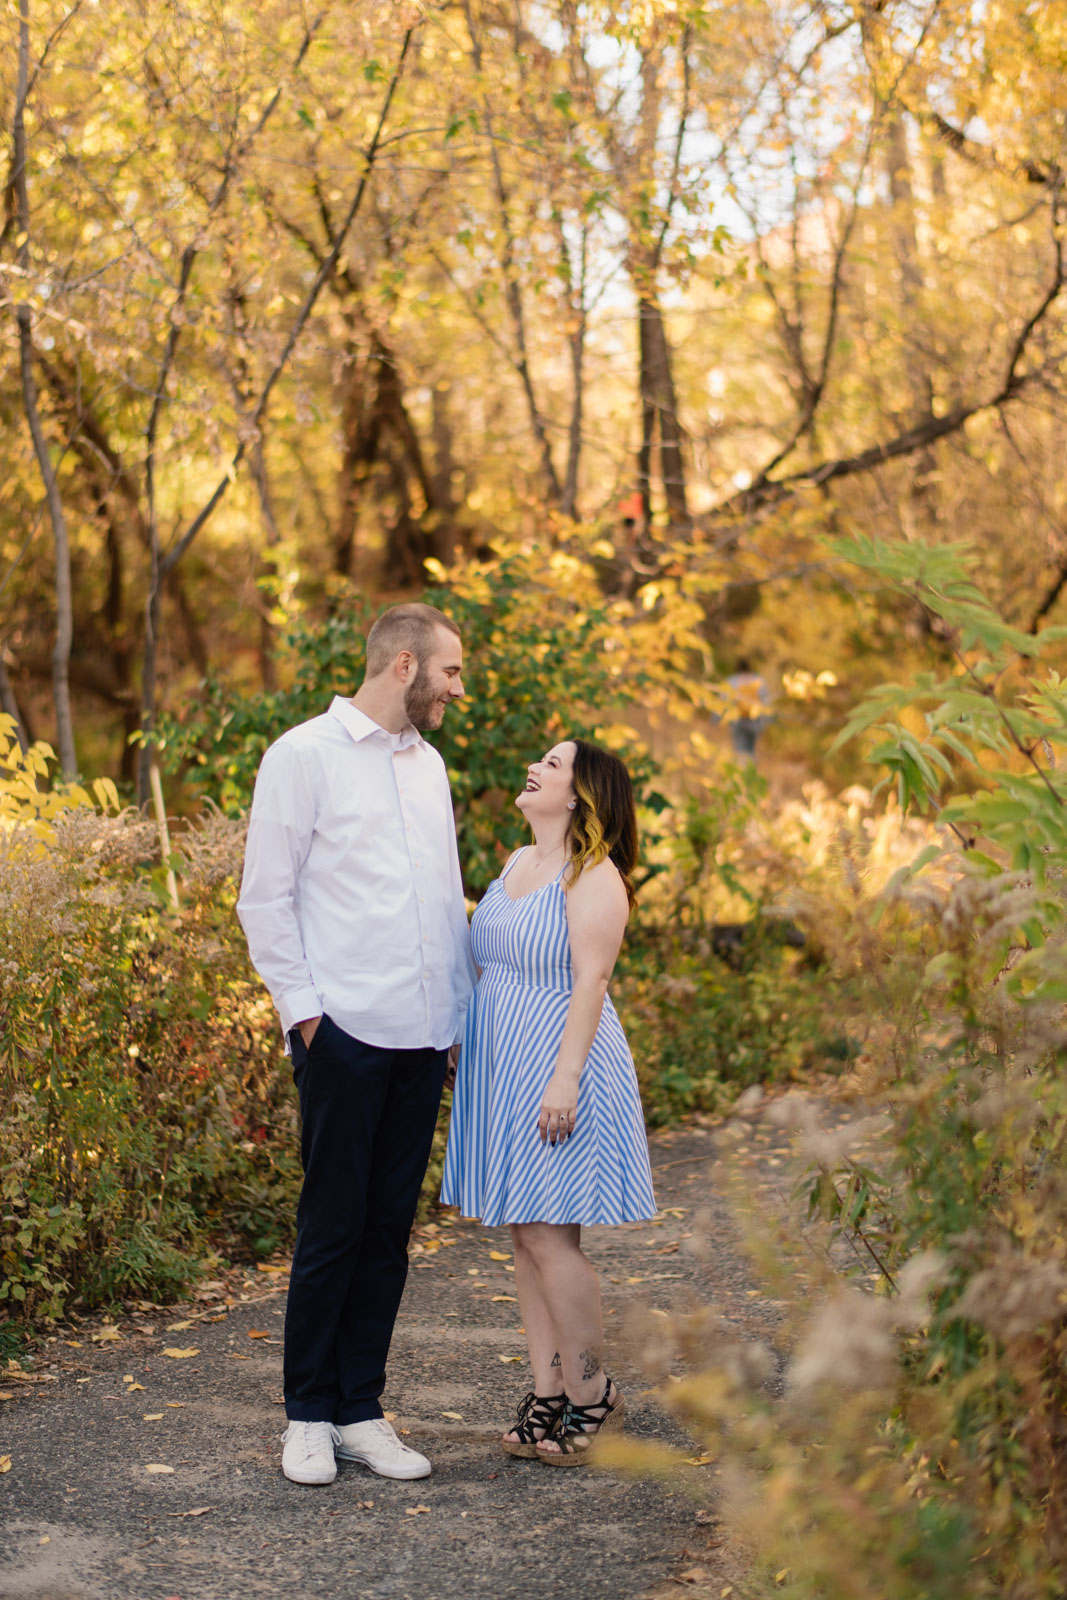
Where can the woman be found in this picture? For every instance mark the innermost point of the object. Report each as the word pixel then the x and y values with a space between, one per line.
pixel 547 1132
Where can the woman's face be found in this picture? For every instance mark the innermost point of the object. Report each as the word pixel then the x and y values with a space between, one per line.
pixel 549 788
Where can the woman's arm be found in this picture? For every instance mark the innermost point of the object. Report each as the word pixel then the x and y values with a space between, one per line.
pixel 597 912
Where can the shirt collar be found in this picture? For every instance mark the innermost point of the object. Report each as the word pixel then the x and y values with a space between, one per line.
pixel 360 726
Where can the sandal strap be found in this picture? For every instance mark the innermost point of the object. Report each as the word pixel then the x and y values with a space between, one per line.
pixel 538 1411
pixel 572 1423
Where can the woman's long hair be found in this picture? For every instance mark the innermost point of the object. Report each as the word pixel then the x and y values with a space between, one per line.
pixel 604 823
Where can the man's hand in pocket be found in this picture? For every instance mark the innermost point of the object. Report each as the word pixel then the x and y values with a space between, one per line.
pixel 308 1030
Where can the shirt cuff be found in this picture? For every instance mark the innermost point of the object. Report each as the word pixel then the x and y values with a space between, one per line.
pixel 297 1005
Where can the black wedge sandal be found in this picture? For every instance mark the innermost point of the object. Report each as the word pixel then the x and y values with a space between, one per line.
pixel 578 1426
pixel 534 1411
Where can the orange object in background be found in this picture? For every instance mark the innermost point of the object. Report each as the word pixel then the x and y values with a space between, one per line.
pixel 632 509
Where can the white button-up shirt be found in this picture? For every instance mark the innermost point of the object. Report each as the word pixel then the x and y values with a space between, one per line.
pixel 351 900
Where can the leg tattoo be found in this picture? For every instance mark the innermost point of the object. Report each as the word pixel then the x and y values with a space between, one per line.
pixel 590 1362
pixel 556 1362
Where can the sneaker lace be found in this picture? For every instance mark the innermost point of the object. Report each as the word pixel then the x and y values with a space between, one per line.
pixel 315 1437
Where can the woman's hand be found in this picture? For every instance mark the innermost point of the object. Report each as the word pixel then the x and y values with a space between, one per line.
pixel 559 1108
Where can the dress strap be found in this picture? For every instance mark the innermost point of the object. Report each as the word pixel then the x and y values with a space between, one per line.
pixel 519 852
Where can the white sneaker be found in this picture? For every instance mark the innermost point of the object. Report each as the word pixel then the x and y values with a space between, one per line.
pixel 377 1446
pixel 308 1455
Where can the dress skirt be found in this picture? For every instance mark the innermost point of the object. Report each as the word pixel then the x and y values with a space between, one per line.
pixel 496 1167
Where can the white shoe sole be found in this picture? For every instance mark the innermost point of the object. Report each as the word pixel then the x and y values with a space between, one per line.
pixel 316 1477
pixel 404 1474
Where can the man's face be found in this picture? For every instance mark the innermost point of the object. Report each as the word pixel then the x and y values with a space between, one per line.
pixel 437 682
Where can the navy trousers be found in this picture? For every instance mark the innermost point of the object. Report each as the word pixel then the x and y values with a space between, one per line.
pixel 368 1119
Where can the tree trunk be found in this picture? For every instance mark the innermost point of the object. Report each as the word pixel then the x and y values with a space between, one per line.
pixel 68 759
pixel 360 431
pixel 444 469
pixel 658 392
pixel 576 341
pixel 922 491
pixel 268 569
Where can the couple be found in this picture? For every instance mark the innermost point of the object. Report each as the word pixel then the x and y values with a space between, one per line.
pixel 352 904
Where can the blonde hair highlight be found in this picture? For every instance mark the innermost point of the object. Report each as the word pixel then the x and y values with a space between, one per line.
pixel 588 841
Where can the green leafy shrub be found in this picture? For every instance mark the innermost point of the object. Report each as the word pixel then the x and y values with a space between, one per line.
pixel 700 1030
pixel 142 1109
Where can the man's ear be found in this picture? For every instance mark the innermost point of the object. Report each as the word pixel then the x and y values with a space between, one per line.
pixel 405 666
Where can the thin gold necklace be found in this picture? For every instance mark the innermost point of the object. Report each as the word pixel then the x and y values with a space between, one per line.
pixel 540 860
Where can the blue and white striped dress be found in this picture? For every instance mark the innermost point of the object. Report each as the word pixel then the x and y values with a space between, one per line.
pixel 496 1166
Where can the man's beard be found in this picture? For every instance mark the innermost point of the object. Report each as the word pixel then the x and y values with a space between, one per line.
pixel 423 706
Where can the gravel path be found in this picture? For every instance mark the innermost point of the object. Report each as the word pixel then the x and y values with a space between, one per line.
pixel 83 1516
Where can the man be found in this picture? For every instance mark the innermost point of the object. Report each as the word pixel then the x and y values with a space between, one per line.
pixel 353 909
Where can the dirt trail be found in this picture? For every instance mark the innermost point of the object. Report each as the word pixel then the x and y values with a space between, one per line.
pixel 81 1517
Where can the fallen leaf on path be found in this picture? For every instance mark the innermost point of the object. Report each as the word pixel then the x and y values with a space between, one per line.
pixel 235 1357
pixel 699 1461
pixel 780 1577
pixel 498 1299
pixel 415 1511
pixel 455 1415
pixel 390 1416
pixel 73 1344
pixel 178 1327
pixel 107 1335
pixel 7 1394
pixel 635 1280
pixel 180 1355
pixel 667 1249
pixel 259 1333
pixel 134 1387
pixel 153 1416
pixel 692 1575
pixel 5 1463
pixel 267 1266
pixel 509 1358
pixel 157 1466
pixel 498 1255
pixel 46 1540
pixel 364 1505
pixel 175 1405
pixel 197 1511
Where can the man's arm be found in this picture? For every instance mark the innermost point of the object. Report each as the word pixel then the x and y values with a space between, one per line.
pixel 280 831
pixel 465 972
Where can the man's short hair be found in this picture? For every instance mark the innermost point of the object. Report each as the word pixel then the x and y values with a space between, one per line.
pixel 410 627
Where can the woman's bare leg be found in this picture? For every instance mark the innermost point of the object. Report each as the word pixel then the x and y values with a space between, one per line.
pixel 545 1360
pixel 565 1295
